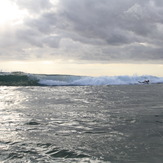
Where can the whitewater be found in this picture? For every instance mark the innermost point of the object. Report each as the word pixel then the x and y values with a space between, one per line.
pixel 20 78
pixel 103 80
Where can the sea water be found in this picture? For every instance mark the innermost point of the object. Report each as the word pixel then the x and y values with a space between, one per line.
pixel 81 124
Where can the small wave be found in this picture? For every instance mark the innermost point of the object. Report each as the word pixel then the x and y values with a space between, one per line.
pixel 65 154
pixel 32 123
pixel 14 156
pixel 43 152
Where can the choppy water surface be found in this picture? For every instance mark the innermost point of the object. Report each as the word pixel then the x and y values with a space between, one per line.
pixel 91 124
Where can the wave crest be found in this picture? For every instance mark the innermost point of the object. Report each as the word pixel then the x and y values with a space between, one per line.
pixel 103 80
pixel 24 79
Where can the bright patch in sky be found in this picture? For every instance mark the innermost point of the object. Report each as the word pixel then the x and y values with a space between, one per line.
pixel 9 12
pixel 84 37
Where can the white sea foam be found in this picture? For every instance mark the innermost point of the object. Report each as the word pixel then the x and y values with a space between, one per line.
pixel 53 82
pixel 103 80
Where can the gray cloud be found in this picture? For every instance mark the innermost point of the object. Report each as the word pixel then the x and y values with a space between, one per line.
pixel 34 6
pixel 93 30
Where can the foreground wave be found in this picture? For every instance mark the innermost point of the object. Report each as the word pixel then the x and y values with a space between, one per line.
pixel 24 79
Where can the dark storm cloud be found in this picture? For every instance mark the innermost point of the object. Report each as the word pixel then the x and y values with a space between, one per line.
pixel 98 30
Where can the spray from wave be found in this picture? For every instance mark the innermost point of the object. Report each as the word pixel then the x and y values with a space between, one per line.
pixel 24 79
pixel 103 80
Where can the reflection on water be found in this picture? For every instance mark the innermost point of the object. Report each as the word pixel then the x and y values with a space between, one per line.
pixel 10 118
pixel 115 124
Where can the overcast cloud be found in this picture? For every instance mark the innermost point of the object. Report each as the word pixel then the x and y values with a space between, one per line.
pixel 89 30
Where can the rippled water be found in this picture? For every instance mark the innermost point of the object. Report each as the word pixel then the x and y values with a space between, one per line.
pixel 114 124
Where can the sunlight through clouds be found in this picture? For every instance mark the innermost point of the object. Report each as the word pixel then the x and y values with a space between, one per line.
pixel 95 32
pixel 9 12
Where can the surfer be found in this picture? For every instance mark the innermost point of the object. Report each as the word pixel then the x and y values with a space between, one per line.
pixel 144 82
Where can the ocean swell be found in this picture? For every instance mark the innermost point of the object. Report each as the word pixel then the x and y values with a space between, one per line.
pixel 24 79
pixel 18 79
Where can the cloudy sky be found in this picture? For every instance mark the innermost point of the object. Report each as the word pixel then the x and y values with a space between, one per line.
pixel 82 37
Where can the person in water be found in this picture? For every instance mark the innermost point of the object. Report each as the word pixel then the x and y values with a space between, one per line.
pixel 145 82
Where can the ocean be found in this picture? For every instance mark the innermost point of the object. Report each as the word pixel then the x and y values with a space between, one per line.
pixel 73 119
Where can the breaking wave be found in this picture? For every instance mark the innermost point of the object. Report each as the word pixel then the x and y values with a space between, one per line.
pixel 24 79
pixel 18 79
